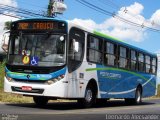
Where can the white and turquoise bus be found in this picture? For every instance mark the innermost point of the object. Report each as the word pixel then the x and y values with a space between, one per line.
pixel 51 59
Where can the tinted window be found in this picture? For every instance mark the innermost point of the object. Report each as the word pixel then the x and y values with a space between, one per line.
pixel 133 60
pixel 154 65
pixel 123 57
pixel 141 57
pixel 95 56
pixel 94 49
pixel 94 43
pixel 110 48
pixel 148 62
pixel 154 61
pixel 122 52
pixel 133 55
pixel 141 62
pixel 110 54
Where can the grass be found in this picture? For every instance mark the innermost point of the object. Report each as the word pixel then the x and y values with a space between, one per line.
pixel 9 97
pixel 158 95
pixel 2 64
pixel 14 98
pixel 2 74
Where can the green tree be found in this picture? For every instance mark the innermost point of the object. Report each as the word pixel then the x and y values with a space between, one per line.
pixel 7 25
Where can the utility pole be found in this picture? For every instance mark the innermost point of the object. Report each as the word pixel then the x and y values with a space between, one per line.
pixel 50 7
pixel 56 7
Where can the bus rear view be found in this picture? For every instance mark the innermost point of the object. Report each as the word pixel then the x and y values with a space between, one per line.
pixel 37 59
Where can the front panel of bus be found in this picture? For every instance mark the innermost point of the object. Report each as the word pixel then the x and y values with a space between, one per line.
pixel 37 58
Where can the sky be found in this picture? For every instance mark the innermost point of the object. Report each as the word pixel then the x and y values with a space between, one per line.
pixel 145 12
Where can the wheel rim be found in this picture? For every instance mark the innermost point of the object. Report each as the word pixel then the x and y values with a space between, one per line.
pixel 89 96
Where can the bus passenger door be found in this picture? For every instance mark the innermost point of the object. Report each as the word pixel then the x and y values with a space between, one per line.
pixel 75 59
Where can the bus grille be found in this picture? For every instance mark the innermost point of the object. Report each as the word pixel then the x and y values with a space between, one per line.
pixel 29 81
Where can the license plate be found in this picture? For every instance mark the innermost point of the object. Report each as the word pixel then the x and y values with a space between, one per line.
pixel 26 88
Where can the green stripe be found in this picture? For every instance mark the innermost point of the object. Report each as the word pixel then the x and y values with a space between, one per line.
pixel 120 70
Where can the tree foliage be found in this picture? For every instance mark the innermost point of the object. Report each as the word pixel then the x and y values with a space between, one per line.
pixel 7 25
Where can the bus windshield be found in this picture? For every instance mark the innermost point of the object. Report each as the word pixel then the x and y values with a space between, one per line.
pixel 45 50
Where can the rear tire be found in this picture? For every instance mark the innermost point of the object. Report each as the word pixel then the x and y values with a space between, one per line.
pixel 138 97
pixel 40 101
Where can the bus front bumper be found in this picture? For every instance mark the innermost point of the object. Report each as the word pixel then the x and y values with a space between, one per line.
pixel 58 89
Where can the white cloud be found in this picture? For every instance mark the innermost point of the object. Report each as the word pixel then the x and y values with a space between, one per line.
pixel 156 19
pixel 135 9
pixel 122 30
pixel 87 23
pixel 3 18
pixel 9 2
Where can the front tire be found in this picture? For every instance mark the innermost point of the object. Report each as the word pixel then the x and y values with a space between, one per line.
pixel 89 99
pixel 40 101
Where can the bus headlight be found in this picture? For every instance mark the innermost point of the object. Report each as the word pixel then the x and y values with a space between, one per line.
pixel 49 82
pixel 8 78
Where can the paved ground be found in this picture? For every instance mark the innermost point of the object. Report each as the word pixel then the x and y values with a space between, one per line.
pixel 72 111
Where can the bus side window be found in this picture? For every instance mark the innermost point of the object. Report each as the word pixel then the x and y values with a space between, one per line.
pixel 148 64
pixel 154 61
pixel 109 54
pixel 141 62
pixel 133 60
pixel 123 60
pixel 94 50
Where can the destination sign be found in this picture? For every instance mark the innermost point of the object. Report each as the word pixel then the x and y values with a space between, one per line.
pixel 37 26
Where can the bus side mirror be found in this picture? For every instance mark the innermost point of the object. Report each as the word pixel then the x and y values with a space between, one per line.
pixel 5 48
pixel 5 41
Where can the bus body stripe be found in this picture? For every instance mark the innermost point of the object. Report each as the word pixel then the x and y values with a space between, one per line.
pixel 121 70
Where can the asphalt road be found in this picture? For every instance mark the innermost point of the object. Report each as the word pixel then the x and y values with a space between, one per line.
pixel 72 111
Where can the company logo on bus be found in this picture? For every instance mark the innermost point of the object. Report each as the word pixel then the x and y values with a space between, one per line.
pixel 110 75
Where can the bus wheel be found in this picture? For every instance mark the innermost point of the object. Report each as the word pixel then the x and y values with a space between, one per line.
pixel 138 97
pixel 40 101
pixel 89 99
